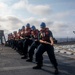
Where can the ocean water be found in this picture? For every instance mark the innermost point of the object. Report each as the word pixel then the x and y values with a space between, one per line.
pixel 65 39
pixel 65 47
pixel 68 47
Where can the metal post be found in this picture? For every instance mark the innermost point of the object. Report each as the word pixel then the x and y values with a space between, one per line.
pixel 1 36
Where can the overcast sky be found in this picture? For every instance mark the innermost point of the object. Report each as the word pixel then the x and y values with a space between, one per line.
pixel 59 15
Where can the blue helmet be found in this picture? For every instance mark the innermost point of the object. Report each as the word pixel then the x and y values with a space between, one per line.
pixel 15 31
pixel 19 30
pixel 28 25
pixel 10 33
pixel 23 27
pixel 43 25
pixel 33 28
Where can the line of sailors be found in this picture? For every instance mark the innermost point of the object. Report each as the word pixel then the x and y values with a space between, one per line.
pixel 29 39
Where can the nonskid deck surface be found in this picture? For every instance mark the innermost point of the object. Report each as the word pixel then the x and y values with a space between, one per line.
pixel 12 64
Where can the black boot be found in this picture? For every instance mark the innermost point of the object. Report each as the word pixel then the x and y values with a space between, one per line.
pixel 24 57
pixel 56 71
pixel 29 60
pixel 37 67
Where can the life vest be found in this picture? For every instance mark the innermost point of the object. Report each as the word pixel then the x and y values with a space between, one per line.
pixel 23 33
pixel 44 34
pixel 13 36
pixel 19 33
pixel 28 32
pixel 35 33
pixel 10 37
pixel 17 36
